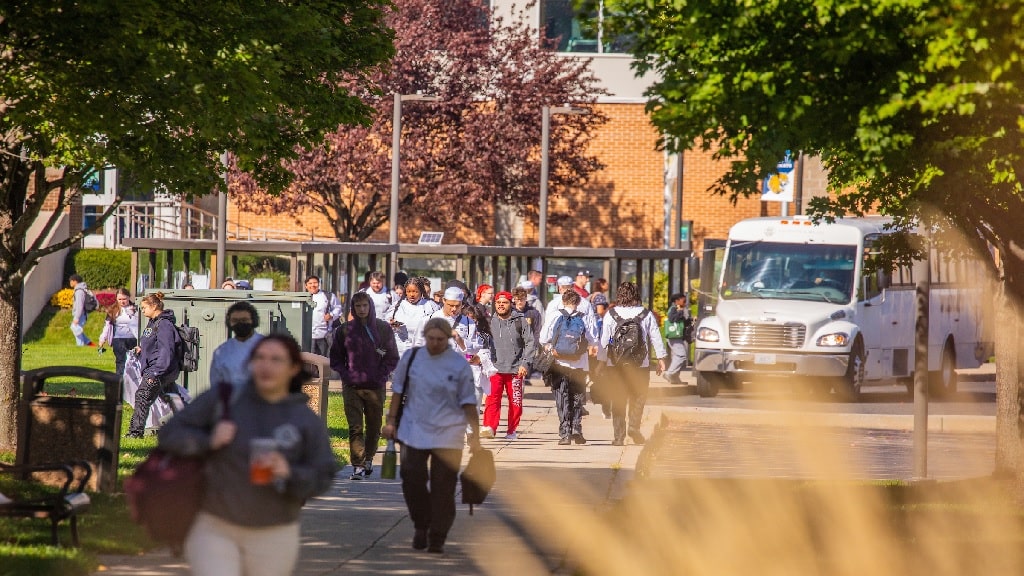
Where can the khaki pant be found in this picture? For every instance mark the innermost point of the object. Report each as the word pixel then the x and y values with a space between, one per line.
pixel 216 547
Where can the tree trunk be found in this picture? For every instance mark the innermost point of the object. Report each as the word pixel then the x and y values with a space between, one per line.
pixel 10 364
pixel 1008 378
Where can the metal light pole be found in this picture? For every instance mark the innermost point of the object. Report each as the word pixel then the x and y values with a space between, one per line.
pixel 545 153
pixel 222 228
pixel 396 140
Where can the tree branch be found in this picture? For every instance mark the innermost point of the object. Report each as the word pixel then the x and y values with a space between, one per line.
pixel 31 257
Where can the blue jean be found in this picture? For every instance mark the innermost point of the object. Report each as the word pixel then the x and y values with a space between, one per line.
pixel 81 339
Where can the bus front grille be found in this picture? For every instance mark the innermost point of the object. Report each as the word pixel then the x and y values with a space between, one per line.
pixel 789 335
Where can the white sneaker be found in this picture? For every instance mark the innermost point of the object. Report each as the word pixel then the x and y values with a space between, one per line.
pixel 358 474
pixel 512 436
pixel 486 432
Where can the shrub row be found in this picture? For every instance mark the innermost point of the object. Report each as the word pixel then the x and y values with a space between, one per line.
pixel 100 268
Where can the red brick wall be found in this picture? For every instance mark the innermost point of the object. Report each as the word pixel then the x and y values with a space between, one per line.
pixel 622 207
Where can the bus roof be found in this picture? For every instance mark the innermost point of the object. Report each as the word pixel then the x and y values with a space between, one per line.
pixel 802 229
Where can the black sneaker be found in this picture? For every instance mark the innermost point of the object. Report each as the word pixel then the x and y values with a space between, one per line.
pixel 368 468
pixel 579 439
pixel 358 474
pixel 419 540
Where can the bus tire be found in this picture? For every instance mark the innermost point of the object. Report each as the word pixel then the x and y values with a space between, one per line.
pixel 708 384
pixel 848 386
pixel 942 382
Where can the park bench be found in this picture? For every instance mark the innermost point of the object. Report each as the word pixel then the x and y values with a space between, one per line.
pixel 55 505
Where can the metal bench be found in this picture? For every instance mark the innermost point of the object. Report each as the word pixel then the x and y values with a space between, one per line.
pixel 66 503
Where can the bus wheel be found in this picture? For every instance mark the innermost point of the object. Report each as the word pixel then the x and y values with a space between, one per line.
pixel 848 386
pixel 708 384
pixel 943 382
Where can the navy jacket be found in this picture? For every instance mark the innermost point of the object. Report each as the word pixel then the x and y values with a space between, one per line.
pixel 159 343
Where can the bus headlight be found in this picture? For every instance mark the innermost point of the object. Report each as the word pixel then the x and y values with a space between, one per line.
pixel 836 339
pixel 705 334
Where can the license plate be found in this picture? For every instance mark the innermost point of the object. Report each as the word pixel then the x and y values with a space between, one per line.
pixel 764 358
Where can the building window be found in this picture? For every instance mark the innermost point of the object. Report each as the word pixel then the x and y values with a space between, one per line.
pixel 581 26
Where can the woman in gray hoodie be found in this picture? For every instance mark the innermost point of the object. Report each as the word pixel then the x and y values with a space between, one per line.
pixel 249 523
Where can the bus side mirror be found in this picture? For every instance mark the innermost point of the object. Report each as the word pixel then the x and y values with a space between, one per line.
pixel 884 280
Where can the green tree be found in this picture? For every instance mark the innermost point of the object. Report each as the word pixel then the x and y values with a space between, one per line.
pixel 914 107
pixel 160 89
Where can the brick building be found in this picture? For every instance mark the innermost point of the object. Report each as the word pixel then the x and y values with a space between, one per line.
pixel 631 203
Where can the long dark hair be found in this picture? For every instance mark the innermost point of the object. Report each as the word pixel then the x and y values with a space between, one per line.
pixel 483 324
pixel 294 357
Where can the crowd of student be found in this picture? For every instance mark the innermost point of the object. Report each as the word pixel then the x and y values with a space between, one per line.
pixel 452 356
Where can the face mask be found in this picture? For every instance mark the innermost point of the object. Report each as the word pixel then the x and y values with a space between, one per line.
pixel 242 329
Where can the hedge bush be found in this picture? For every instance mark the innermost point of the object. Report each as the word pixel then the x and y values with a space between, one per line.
pixel 100 268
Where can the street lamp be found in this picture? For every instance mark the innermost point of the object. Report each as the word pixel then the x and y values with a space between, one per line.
pixel 545 152
pixel 396 138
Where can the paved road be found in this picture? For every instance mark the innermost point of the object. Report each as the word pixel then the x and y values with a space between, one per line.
pixel 972 398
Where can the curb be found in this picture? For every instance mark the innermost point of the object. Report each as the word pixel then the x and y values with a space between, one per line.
pixel 937 423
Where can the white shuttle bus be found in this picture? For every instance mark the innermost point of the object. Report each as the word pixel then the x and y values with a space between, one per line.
pixel 796 304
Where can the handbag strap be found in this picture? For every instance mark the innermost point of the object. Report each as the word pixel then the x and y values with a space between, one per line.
pixel 408 368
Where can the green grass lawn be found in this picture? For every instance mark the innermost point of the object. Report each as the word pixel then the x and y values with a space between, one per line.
pixel 106 528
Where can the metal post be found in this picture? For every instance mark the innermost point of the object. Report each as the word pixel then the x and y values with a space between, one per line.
pixel 545 135
pixel 222 227
pixel 679 199
pixel 396 139
pixel 922 288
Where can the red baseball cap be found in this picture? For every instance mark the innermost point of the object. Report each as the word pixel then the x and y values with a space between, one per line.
pixel 503 294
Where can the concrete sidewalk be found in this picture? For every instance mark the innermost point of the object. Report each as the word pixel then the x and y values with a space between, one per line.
pixel 363 527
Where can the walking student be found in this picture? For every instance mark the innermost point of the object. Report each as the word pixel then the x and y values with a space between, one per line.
pixel 513 352
pixel 158 352
pixel 464 338
pixel 440 401
pixel 83 302
pixel 573 337
pixel 326 309
pixel 230 361
pixel 248 522
pixel 409 315
pixel 121 328
pixel 677 330
pixel 364 353
pixel 629 333
pixel 379 293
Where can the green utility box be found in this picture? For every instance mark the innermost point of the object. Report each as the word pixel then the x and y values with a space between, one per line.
pixel 280 312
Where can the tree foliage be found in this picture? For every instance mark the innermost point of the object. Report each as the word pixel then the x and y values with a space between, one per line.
pixel 160 90
pixel 477 147
pixel 914 106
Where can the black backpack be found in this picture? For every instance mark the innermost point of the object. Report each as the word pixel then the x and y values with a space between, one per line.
pixel 187 347
pixel 629 342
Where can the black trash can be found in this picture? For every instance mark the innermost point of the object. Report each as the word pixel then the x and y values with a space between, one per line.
pixel 66 428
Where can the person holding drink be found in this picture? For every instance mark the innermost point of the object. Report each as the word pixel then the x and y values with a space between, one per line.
pixel 262 464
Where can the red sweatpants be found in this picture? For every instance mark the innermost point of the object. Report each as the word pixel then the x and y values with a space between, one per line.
pixel 492 411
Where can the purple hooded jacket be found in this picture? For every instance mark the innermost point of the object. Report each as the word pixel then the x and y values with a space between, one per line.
pixel 354 353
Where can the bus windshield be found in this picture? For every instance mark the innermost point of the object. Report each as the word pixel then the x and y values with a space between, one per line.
pixel 758 269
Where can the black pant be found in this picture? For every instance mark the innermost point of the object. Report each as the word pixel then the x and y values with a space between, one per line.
pixel 321 346
pixel 147 394
pixel 627 387
pixel 569 386
pixel 360 405
pixel 121 347
pixel 431 509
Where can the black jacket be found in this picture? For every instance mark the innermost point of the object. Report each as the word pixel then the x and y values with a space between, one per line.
pixel 160 346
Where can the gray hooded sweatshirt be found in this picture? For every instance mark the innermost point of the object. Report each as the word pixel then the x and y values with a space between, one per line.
pixel 301 436
pixel 512 343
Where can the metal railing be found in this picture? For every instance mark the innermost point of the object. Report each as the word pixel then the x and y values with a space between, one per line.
pixel 183 221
